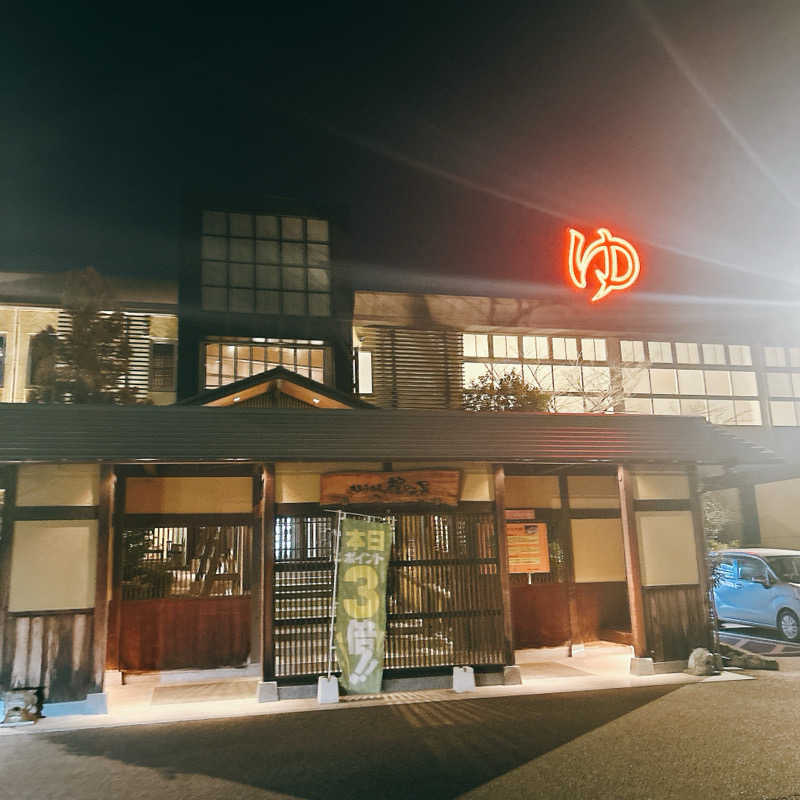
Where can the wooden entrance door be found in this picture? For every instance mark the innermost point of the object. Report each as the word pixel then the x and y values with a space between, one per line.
pixel 184 596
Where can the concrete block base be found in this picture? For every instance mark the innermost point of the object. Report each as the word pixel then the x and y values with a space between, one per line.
pixel 267 692
pixel 664 667
pixel 95 703
pixel 642 666
pixel 463 679
pixel 512 676
pixel 328 689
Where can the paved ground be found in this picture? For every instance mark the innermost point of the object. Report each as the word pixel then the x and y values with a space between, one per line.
pixel 697 741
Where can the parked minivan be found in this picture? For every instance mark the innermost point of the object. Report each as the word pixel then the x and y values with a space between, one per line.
pixel 759 586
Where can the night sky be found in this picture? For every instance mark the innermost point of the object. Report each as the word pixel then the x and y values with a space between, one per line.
pixel 450 141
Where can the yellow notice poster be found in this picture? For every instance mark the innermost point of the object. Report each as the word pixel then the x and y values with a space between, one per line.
pixel 527 547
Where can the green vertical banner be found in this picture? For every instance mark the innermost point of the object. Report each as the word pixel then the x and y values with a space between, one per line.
pixel 361 603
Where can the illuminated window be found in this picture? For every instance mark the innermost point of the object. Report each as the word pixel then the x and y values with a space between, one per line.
pixel 565 349
pixel 740 355
pixel 537 347
pixel 364 372
pixel 713 353
pixel 666 405
pixel 690 381
pixel 265 264
pixel 687 353
pixel 660 352
pixel 632 351
pixel 664 381
pixel 229 360
pixel 718 382
pixel 783 412
pixel 593 349
pixel 779 384
pixel 744 383
pixel 774 357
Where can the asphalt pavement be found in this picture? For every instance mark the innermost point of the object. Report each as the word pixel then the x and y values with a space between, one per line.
pixel 702 740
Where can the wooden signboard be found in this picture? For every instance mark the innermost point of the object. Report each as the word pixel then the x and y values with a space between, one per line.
pixel 527 543
pixel 439 487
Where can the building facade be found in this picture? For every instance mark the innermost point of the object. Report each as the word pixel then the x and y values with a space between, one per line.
pixel 201 535
pixel 31 302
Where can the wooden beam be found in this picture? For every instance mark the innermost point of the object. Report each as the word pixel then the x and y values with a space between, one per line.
pixel 502 559
pixel 9 482
pixel 700 548
pixel 255 578
pixel 105 529
pixel 113 660
pixel 268 574
pixel 751 527
pixel 565 524
pixel 633 568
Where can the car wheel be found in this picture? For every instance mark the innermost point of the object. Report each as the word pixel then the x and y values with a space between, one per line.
pixel 789 625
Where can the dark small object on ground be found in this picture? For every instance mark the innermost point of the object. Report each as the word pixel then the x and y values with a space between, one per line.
pixel 701 662
pixel 744 660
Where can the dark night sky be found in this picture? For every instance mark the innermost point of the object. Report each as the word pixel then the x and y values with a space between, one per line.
pixel 459 140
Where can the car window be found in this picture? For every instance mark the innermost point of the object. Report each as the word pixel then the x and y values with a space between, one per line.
pixel 750 568
pixel 787 568
pixel 725 567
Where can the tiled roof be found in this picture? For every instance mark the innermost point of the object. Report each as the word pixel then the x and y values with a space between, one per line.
pixel 187 433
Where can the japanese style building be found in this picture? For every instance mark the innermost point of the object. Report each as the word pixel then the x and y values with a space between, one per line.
pixel 199 535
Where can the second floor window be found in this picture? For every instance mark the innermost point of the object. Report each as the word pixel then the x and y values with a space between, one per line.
pixel 229 360
pixel 162 367
pixel 265 264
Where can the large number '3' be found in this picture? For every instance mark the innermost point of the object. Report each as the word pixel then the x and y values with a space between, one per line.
pixel 367 602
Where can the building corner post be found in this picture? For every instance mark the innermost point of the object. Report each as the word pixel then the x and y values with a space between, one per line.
pixel 267 565
pixel 105 528
pixel 6 541
pixel 633 568
pixel 502 558
pixel 700 549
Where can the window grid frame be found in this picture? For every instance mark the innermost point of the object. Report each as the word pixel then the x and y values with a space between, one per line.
pixel 238 343
pixel 282 292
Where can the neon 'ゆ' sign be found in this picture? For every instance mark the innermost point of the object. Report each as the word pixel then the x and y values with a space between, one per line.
pixel 607 252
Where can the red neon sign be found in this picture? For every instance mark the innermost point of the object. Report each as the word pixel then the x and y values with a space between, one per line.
pixel 610 275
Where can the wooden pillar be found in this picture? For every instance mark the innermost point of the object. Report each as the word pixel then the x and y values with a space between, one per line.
pixel 700 548
pixel 268 574
pixel 104 533
pixel 255 570
pixel 502 560
pixel 9 482
pixel 115 619
pixel 751 529
pixel 565 537
pixel 633 568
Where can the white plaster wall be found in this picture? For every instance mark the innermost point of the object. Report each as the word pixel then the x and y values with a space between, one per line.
pixel 660 486
pixel 532 491
pixel 667 550
pixel 299 483
pixel 597 550
pixel 53 565
pixel 217 495
pixel 58 485
pixel 593 491
pixel 778 517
